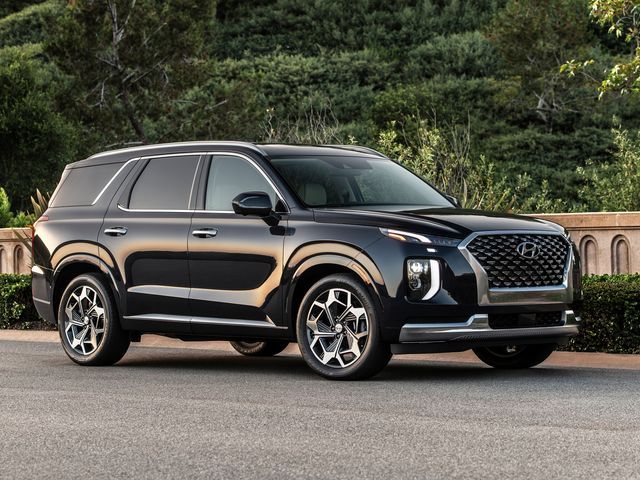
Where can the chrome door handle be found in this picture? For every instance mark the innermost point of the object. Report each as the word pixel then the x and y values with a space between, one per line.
pixel 205 232
pixel 115 231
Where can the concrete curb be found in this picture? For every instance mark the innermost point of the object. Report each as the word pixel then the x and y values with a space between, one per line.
pixel 558 359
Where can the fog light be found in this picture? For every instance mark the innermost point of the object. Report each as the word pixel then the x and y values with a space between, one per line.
pixel 423 278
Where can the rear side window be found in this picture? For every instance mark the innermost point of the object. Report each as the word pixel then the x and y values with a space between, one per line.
pixel 165 184
pixel 81 186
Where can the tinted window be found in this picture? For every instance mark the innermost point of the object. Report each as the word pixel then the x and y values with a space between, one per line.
pixel 332 181
pixel 165 184
pixel 81 186
pixel 231 176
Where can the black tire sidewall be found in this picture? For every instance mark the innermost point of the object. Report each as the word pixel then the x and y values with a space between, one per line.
pixel 376 354
pixel 114 340
pixel 529 356
pixel 266 348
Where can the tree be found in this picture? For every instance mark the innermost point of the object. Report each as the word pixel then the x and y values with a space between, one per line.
pixel 130 59
pixel 36 139
pixel 535 38
pixel 623 19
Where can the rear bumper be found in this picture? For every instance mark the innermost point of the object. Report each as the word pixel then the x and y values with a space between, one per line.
pixel 41 292
pixel 477 329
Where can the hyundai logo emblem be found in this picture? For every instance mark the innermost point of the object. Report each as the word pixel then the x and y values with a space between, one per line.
pixel 528 250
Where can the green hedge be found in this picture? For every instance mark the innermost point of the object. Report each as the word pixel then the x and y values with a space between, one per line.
pixel 16 306
pixel 610 314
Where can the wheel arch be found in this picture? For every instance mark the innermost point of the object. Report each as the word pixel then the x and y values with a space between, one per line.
pixel 317 267
pixel 74 266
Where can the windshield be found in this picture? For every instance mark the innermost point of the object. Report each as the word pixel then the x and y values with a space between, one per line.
pixel 348 181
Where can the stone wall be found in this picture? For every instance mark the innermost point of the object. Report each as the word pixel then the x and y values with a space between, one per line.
pixel 14 256
pixel 608 242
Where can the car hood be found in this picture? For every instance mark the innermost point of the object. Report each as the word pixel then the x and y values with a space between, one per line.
pixel 447 222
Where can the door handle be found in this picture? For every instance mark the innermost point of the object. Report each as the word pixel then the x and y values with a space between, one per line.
pixel 115 231
pixel 205 232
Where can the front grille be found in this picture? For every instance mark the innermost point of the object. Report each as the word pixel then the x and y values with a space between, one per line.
pixel 506 268
pixel 524 320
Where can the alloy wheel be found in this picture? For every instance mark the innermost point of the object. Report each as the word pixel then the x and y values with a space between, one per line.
pixel 84 322
pixel 337 328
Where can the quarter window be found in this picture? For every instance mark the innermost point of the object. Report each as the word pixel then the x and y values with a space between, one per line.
pixel 165 184
pixel 231 176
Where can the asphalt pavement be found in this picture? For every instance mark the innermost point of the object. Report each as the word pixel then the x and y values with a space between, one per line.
pixel 197 413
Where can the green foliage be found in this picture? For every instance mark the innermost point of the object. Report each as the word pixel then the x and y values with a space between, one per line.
pixel 8 7
pixel 6 215
pixel 16 306
pixel 467 54
pixel 442 156
pixel 130 60
pixel 123 72
pixel 309 28
pixel 35 136
pixel 28 25
pixel 614 186
pixel 610 315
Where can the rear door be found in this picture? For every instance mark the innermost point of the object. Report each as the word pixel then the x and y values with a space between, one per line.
pixel 145 232
pixel 235 262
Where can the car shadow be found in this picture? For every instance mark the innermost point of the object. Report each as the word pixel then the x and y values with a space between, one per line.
pixel 216 362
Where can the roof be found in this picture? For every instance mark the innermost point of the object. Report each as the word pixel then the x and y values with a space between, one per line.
pixel 125 154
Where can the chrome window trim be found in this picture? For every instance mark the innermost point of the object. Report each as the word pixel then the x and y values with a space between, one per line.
pixel 519 296
pixel 202 155
pixel 115 175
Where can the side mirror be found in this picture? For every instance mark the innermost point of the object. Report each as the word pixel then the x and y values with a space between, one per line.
pixel 454 200
pixel 253 203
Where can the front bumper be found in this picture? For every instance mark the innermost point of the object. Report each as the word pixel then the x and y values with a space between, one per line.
pixel 477 329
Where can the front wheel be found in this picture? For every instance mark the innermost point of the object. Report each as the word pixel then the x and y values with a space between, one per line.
pixel 259 349
pixel 514 356
pixel 338 330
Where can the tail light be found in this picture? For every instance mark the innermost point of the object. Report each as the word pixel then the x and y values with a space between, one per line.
pixel 43 218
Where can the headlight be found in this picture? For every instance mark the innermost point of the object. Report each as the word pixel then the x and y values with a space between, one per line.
pixel 423 278
pixel 417 238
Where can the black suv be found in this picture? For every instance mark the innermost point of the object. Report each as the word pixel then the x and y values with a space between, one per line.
pixel 337 248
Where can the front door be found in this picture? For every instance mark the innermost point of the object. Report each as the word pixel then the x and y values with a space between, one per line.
pixel 145 233
pixel 235 262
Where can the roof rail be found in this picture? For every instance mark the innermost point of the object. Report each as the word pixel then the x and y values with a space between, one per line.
pixel 361 149
pixel 205 144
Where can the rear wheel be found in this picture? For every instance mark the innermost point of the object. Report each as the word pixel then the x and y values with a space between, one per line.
pixel 338 330
pixel 514 356
pixel 88 323
pixel 259 349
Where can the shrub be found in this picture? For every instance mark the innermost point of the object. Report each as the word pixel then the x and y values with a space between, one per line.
pixel 610 315
pixel 16 306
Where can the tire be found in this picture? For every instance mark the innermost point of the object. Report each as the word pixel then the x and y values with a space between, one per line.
pixel 89 324
pixel 524 356
pixel 259 349
pixel 353 351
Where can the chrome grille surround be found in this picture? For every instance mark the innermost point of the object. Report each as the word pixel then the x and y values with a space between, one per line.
pixel 559 291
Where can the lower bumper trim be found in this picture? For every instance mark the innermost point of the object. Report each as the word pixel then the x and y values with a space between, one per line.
pixel 477 329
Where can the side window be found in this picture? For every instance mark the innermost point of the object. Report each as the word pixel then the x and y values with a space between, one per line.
pixel 164 184
pixel 80 186
pixel 231 176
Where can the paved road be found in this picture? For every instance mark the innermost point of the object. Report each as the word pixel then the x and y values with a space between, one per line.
pixel 184 413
